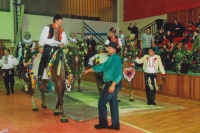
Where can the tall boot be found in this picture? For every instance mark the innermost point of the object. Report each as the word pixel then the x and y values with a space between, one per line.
pixel 40 72
pixel 148 95
pixel 7 88
pixel 12 87
pixel 153 96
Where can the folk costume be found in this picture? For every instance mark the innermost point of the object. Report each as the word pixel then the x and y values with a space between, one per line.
pixel 26 43
pixel 7 63
pixel 50 39
pixel 150 67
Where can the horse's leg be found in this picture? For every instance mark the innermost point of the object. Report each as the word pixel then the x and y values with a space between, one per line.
pixel 60 88
pixel 131 93
pixel 31 90
pixel 63 118
pixel 44 84
pixel 79 82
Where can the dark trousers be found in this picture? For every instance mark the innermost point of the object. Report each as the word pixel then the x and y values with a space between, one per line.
pixel 106 97
pixel 150 94
pixel 8 77
pixel 48 51
pixel 145 51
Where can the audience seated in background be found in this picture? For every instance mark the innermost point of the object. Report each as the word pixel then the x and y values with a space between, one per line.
pixel 169 36
pixel 159 38
pixel 178 28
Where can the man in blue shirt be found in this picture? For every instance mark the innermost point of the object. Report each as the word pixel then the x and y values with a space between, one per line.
pixel 112 75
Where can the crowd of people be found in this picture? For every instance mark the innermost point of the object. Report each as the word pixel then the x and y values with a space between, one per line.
pixel 154 52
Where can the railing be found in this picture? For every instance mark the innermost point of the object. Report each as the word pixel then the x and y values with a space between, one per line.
pixel 153 26
pixel 98 36
pixel 19 27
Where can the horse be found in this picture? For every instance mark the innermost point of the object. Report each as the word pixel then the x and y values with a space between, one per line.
pixel 75 60
pixel 22 71
pixel 96 60
pixel 56 71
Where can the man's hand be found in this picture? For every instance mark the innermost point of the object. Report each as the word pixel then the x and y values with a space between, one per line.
pixel 132 64
pixel 163 78
pixel 111 89
pixel 87 71
pixel 61 45
pixel 41 50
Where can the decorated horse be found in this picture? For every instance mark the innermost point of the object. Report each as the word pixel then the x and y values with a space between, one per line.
pixel 75 60
pixel 24 52
pixel 55 72
pixel 63 66
pixel 97 59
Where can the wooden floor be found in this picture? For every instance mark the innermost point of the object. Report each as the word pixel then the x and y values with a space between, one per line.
pixel 160 121
pixel 167 121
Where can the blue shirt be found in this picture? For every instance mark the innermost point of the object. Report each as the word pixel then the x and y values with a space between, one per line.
pixel 112 69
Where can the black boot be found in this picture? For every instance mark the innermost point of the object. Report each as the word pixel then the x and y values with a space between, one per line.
pixel 148 95
pixel 12 87
pixel 153 95
pixel 40 72
pixel 7 88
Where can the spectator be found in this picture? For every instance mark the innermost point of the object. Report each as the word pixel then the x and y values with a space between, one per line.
pixel 178 28
pixel 100 46
pixel 169 36
pixel 159 39
pixel 146 41
pixel 133 28
pixel 121 38
pixel 91 43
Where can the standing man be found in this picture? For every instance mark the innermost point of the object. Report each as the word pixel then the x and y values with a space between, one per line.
pixel 7 62
pixel 121 38
pixel 52 38
pixel 133 28
pixel 196 48
pixel 146 41
pixel 151 63
pixel 91 42
pixel 112 75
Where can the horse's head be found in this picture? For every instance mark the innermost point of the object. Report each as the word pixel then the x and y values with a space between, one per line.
pixel 75 58
pixel 26 54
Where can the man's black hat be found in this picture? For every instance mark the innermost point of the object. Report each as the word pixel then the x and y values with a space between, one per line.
pixel 112 44
pixel 56 17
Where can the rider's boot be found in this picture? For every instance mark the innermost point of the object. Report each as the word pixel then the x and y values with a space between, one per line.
pixel 40 72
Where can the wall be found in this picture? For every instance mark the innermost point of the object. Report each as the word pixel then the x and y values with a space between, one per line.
pixel 7 24
pixel 136 9
pixel 123 25
pixel 185 16
pixel 35 24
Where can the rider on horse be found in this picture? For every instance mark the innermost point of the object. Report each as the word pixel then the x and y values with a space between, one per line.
pixel 26 43
pixel 52 38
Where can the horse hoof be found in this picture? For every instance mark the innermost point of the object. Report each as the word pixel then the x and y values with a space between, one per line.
pixel 119 101
pixel 35 109
pixel 79 90
pixel 64 120
pixel 56 113
pixel 43 106
pixel 131 100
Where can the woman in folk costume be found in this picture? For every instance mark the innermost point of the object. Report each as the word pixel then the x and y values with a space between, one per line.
pixel 113 38
pixel 72 39
pixel 151 63
pixel 26 43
